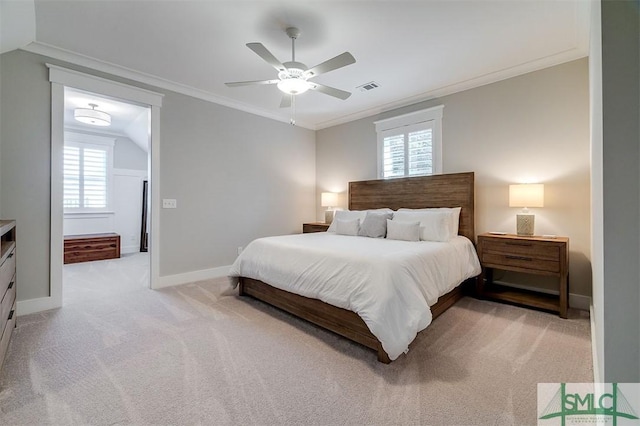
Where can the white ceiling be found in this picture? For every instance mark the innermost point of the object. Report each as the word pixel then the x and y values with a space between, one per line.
pixel 414 50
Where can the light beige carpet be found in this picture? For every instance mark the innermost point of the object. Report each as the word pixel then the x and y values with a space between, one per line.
pixel 194 354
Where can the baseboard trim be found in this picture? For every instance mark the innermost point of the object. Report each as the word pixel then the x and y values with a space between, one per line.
pixel 594 346
pixel 31 306
pixel 189 277
pixel 577 301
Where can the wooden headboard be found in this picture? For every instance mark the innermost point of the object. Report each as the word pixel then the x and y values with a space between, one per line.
pixel 449 190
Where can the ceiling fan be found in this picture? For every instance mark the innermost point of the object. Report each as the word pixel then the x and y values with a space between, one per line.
pixel 293 77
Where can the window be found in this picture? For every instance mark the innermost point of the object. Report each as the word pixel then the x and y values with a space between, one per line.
pixel 87 174
pixel 410 144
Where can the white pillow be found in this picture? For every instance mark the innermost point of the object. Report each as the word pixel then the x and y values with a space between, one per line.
pixel 406 231
pixel 454 211
pixel 347 227
pixel 435 225
pixel 352 214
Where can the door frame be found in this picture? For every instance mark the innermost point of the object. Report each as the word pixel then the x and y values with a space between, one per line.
pixel 60 78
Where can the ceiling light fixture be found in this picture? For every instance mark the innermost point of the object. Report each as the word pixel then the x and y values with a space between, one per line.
pixel 92 116
pixel 292 81
pixel 293 86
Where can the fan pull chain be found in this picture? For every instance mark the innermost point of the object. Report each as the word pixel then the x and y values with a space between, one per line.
pixel 293 110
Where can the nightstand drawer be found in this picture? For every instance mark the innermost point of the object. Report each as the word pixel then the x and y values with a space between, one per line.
pixel 531 249
pixel 524 261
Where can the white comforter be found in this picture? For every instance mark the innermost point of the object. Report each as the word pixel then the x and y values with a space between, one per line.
pixel 391 284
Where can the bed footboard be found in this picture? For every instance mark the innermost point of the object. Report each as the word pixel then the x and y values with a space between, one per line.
pixel 340 321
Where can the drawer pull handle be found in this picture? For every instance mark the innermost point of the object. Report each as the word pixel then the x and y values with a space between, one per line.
pixel 11 314
pixel 518 244
pixel 528 259
pixel 11 284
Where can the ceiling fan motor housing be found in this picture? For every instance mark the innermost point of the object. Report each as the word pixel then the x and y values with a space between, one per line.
pixel 295 66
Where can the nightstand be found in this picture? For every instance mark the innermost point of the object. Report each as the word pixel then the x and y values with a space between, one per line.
pixel 314 227
pixel 531 255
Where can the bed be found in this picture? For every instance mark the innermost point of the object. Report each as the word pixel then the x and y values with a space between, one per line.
pixel 450 190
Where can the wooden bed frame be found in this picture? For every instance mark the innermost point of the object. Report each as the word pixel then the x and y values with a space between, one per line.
pixel 449 190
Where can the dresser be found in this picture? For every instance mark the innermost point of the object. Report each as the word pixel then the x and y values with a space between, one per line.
pixel 7 284
pixel 530 255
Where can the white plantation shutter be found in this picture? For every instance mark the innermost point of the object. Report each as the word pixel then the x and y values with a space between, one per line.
pixel 87 169
pixel 94 172
pixel 393 159
pixel 71 177
pixel 411 144
pixel 420 152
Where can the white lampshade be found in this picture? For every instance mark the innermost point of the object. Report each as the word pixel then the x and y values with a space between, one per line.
pixel 92 116
pixel 329 199
pixel 526 195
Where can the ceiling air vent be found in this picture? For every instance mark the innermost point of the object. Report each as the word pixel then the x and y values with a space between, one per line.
pixel 368 86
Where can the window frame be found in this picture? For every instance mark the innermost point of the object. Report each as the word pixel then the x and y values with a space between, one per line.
pixel 107 144
pixel 430 118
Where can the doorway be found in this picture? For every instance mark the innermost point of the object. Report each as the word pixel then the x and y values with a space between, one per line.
pixel 106 160
pixel 65 81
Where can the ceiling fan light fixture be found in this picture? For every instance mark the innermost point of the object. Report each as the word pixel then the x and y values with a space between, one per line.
pixel 92 116
pixel 293 86
pixel 293 76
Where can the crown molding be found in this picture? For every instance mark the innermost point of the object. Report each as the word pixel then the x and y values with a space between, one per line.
pixel 493 77
pixel 152 80
pixel 568 55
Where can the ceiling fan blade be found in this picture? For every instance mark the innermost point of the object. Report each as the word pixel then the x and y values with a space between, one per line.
pixel 251 83
pixel 266 55
pixel 331 91
pixel 332 64
pixel 286 101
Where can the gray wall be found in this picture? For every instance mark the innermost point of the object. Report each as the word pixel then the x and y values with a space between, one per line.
pixel 534 127
pixel 236 176
pixel 25 166
pixel 621 189
pixel 128 155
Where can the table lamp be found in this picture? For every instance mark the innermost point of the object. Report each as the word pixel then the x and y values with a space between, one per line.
pixel 328 199
pixel 525 196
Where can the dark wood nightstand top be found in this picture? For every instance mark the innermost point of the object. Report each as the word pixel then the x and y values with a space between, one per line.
pixel 315 227
pixel 524 238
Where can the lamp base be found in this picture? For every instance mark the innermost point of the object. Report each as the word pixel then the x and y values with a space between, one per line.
pixel 525 223
pixel 328 216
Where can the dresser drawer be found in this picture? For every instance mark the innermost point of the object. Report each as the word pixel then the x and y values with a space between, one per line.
pixel 8 300
pixel 7 284
pixel 520 261
pixel 534 249
pixel 7 271
pixel 7 332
